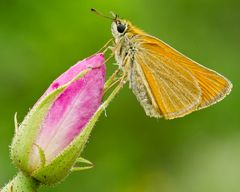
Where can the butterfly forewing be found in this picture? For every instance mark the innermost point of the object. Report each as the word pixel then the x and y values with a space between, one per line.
pixel 214 86
pixel 175 89
pixel 179 85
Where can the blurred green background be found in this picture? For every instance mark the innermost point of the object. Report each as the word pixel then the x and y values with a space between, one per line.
pixel 131 152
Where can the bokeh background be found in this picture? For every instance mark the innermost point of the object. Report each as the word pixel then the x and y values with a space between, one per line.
pixel 131 152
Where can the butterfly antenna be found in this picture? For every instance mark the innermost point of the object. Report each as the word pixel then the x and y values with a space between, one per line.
pixel 115 16
pixel 100 14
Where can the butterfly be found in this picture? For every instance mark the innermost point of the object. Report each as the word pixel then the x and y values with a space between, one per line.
pixel 166 83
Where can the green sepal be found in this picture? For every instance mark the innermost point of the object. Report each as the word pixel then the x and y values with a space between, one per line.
pixel 61 166
pixel 41 155
pixel 78 167
pixel 26 133
pixel 16 124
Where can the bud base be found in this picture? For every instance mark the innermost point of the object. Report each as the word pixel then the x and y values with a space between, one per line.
pixel 21 183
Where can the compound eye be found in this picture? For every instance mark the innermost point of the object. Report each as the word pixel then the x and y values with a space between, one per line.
pixel 121 28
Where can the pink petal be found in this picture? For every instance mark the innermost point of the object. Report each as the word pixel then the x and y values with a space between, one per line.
pixel 74 107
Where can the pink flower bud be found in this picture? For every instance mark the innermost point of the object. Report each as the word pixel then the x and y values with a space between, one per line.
pixel 73 108
pixel 59 116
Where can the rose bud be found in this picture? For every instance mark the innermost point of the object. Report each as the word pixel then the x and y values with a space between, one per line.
pixel 48 142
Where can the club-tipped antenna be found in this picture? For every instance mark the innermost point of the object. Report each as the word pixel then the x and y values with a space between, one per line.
pixel 100 14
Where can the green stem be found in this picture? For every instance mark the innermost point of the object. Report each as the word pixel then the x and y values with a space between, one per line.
pixel 21 183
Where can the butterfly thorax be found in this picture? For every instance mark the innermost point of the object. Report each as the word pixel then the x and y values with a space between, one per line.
pixel 126 43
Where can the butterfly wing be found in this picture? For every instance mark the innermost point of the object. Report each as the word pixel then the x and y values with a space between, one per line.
pixel 178 84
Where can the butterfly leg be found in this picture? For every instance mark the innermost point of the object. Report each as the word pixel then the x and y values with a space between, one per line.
pixel 109 57
pixel 126 63
pixel 105 46
pixel 113 79
pixel 113 50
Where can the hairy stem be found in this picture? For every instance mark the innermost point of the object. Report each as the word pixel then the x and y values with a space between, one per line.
pixel 20 183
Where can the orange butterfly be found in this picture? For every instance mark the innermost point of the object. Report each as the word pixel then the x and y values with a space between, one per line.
pixel 166 83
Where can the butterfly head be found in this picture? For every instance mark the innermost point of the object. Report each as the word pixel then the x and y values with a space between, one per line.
pixel 119 28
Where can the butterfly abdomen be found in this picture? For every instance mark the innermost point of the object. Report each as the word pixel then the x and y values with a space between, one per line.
pixel 142 91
